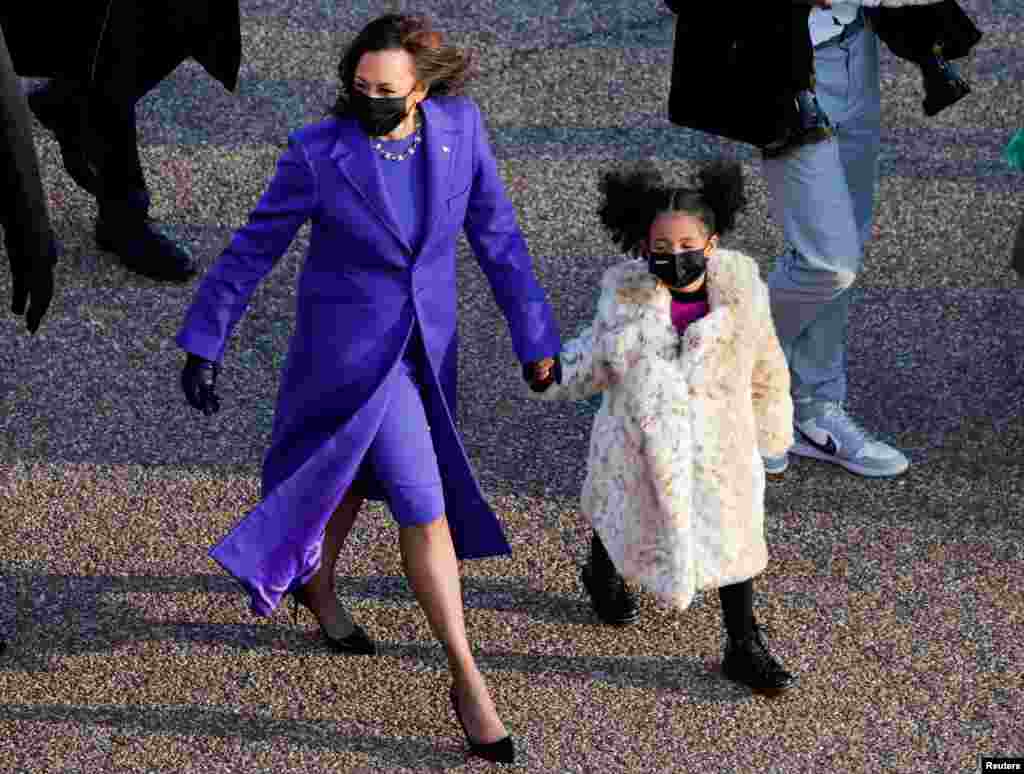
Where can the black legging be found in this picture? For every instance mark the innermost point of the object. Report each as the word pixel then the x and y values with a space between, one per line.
pixel 737 599
pixel 738 608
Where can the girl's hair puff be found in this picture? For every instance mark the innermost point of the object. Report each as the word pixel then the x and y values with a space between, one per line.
pixel 630 200
pixel 722 189
pixel 633 198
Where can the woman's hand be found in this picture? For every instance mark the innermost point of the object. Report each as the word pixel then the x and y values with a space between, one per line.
pixel 199 381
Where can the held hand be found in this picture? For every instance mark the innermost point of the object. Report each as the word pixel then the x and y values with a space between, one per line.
pixel 199 381
pixel 541 374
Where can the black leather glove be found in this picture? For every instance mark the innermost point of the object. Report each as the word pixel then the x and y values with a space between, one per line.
pixel 199 381
pixel 530 371
pixel 35 282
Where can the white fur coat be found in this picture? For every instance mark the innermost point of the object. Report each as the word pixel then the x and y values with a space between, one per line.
pixel 675 481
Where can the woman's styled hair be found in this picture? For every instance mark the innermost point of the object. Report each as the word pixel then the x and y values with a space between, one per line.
pixel 443 69
pixel 632 199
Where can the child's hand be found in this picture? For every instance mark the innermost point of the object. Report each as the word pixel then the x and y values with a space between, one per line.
pixel 540 374
pixel 542 370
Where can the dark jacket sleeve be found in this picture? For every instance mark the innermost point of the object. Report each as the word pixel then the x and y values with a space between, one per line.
pixel 23 212
pixel 913 31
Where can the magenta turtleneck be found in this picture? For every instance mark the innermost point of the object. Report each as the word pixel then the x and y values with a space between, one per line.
pixel 687 307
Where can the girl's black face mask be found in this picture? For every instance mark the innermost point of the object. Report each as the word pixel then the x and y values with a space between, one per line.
pixel 677 270
pixel 378 115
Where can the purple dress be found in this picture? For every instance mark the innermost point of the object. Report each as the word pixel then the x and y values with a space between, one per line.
pixel 362 289
pixel 401 466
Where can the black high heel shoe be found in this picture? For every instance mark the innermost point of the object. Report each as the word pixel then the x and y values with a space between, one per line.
pixel 357 643
pixel 502 751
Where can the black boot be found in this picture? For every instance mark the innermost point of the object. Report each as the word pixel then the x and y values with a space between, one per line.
pixel 747 660
pixel 60 107
pixel 614 602
pixel 124 228
pixel 943 85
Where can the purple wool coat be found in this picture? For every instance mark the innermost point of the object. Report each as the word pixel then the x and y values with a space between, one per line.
pixel 361 290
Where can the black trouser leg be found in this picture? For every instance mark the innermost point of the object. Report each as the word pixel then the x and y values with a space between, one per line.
pixel 127 70
pixel 738 608
pixel 122 181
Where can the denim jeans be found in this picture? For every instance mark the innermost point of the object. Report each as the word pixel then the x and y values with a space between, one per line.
pixel 823 196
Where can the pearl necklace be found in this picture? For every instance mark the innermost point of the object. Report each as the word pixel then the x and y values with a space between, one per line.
pixel 416 140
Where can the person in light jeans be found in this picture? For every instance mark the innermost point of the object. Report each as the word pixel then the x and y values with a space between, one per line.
pixel 822 194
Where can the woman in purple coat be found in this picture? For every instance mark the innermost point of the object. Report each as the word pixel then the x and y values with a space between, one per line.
pixel 367 400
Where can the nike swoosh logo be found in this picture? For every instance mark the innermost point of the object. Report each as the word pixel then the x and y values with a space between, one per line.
pixel 829 447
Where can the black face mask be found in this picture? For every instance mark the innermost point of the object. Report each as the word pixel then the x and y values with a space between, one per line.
pixel 677 270
pixel 378 115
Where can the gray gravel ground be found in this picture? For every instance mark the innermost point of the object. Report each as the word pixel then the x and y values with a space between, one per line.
pixel 897 602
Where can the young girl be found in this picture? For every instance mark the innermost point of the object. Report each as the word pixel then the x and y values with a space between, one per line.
pixel 696 390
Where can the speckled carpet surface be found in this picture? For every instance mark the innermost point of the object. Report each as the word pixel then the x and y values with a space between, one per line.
pixel 898 602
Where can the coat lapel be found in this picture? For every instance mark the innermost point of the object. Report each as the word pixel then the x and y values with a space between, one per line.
pixel 637 289
pixel 726 299
pixel 355 158
pixel 442 144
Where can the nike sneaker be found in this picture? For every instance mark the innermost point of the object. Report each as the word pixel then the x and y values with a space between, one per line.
pixel 824 431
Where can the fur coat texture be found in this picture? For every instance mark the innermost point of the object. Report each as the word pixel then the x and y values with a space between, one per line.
pixel 675 480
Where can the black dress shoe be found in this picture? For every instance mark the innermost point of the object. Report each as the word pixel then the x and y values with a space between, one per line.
pixel 356 643
pixel 943 85
pixel 502 751
pixel 141 248
pixel 747 660
pixel 60 111
pixel 615 603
